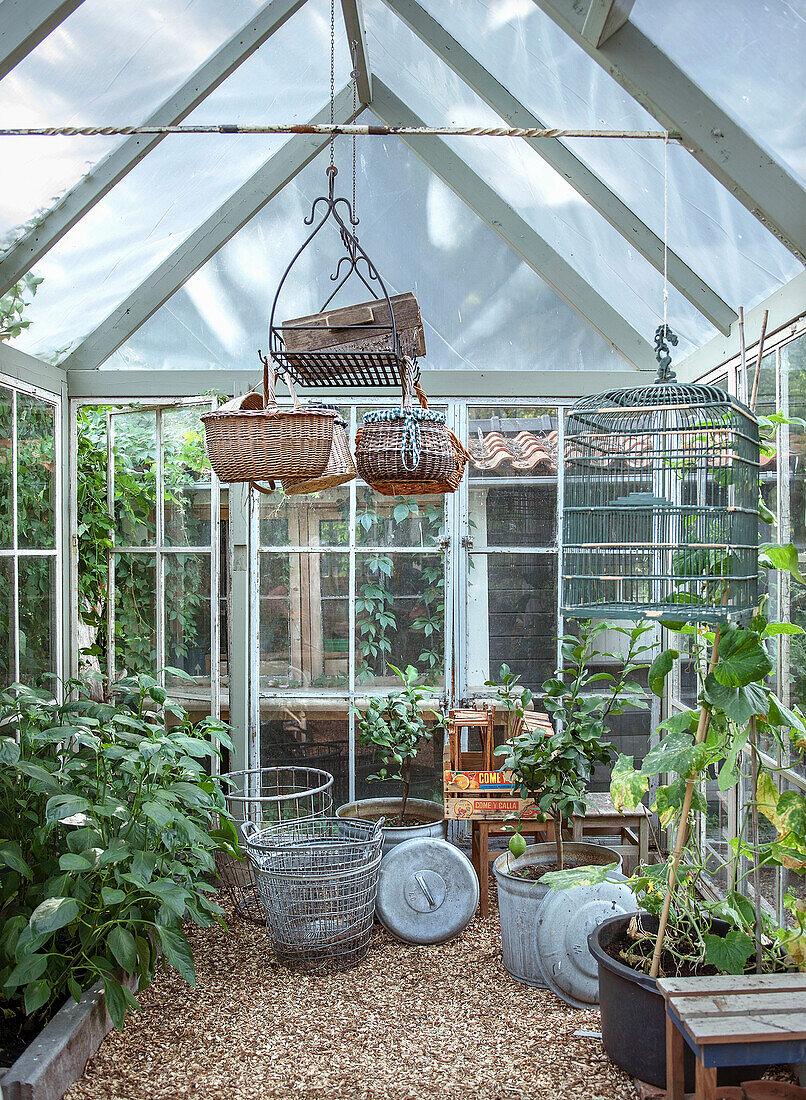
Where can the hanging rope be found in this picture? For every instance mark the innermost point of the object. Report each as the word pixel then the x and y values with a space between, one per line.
pixel 334 129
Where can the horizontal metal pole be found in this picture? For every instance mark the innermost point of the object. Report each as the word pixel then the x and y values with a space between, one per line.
pixel 335 129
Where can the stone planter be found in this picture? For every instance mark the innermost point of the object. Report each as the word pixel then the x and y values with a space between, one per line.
pixel 59 1054
pixel 519 900
pixel 431 812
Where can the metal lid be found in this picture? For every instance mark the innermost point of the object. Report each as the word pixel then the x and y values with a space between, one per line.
pixel 564 921
pixel 427 891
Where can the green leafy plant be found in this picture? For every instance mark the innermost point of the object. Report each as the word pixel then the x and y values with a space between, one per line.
pixel 109 825
pixel 555 770
pixel 733 689
pixel 510 697
pixel 396 726
pixel 14 303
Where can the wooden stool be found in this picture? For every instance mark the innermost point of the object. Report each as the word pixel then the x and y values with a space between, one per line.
pixel 481 831
pixel 482 720
pixel 603 819
pixel 731 1020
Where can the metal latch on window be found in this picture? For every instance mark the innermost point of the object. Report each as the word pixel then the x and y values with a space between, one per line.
pixel 467 542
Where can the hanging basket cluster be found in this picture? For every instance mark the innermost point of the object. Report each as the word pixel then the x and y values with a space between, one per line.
pixel 254 439
pixel 408 451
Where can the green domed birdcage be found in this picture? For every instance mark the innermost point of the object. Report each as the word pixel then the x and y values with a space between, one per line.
pixel 660 504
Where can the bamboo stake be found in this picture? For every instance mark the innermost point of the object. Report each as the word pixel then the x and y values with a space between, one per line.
pixel 754 394
pixel 745 392
pixel 682 830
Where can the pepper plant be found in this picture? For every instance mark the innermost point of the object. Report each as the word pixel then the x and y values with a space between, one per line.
pixel 109 825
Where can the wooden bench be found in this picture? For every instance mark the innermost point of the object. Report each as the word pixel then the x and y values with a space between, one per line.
pixel 731 1020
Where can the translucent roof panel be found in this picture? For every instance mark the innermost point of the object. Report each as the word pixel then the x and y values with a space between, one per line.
pixel 182 181
pixel 106 64
pixel 483 308
pixel 543 68
pixel 761 87
pixel 534 189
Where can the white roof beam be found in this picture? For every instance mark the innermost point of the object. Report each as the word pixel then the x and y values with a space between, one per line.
pixel 205 241
pixel 41 237
pixel 514 231
pixel 23 25
pixel 580 177
pixel 727 151
pixel 604 18
pixel 356 33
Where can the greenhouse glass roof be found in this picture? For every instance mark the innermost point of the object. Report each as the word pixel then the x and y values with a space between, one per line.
pixel 539 254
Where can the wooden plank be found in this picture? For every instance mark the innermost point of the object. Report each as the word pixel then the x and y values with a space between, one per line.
pixel 739 1004
pixel 761 1027
pixel 376 313
pixel 730 983
pixel 675 1054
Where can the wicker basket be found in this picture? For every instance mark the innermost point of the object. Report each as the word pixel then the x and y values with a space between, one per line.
pixel 254 439
pixel 426 488
pixel 340 466
pixel 405 446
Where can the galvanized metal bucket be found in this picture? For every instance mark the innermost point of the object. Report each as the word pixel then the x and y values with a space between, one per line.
pixel 390 809
pixel 519 902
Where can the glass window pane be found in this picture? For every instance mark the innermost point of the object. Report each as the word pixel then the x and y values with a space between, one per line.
pixel 134 437
pixel 6 473
pixel 8 671
pixel 511 617
pixel 36 473
pixel 400 617
pixel 37 610
pixel 398 521
pixel 303 621
pixel 188 624
pixel 305 519
pixel 426 772
pixel 186 477
pixel 314 733
pixel 135 614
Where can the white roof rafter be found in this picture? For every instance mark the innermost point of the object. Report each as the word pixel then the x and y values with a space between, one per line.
pixel 727 151
pixel 487 204
pixel 90 189
pixel 356 33
pixel 25 23
pixel 204 242
pixel 581 178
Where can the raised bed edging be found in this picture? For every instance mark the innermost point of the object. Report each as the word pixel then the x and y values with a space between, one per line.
pixel 58 1056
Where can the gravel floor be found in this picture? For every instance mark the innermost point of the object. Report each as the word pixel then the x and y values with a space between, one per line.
pixel 409 1022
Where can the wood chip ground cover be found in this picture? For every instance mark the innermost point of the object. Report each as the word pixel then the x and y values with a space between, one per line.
pixel 409 1022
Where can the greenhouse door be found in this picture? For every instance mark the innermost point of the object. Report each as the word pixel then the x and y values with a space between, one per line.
pixel 510 535
pixel 164 610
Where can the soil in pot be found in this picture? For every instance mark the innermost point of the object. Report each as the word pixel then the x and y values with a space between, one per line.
pixel 393 821
pixel 536 871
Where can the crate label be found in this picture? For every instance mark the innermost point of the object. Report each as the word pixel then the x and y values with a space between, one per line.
pixel 478 781
pixel 466 808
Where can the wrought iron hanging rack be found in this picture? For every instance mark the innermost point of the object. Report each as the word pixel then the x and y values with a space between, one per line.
pixel 344 364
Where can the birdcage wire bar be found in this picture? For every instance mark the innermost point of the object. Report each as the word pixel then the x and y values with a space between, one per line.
pixel 318 881
pixel 660 505
pixel 264 797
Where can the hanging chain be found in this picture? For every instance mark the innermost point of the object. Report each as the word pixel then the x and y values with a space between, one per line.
pixel 332 80
pixel 663 334
pixel 354 74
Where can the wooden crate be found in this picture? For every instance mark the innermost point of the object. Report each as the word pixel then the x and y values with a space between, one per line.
pixel 326 331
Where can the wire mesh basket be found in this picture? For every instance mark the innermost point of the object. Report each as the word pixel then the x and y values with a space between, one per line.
pixel 264 797
pixel 318 880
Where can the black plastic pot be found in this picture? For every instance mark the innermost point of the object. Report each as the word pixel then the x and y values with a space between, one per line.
pixel 634 1012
